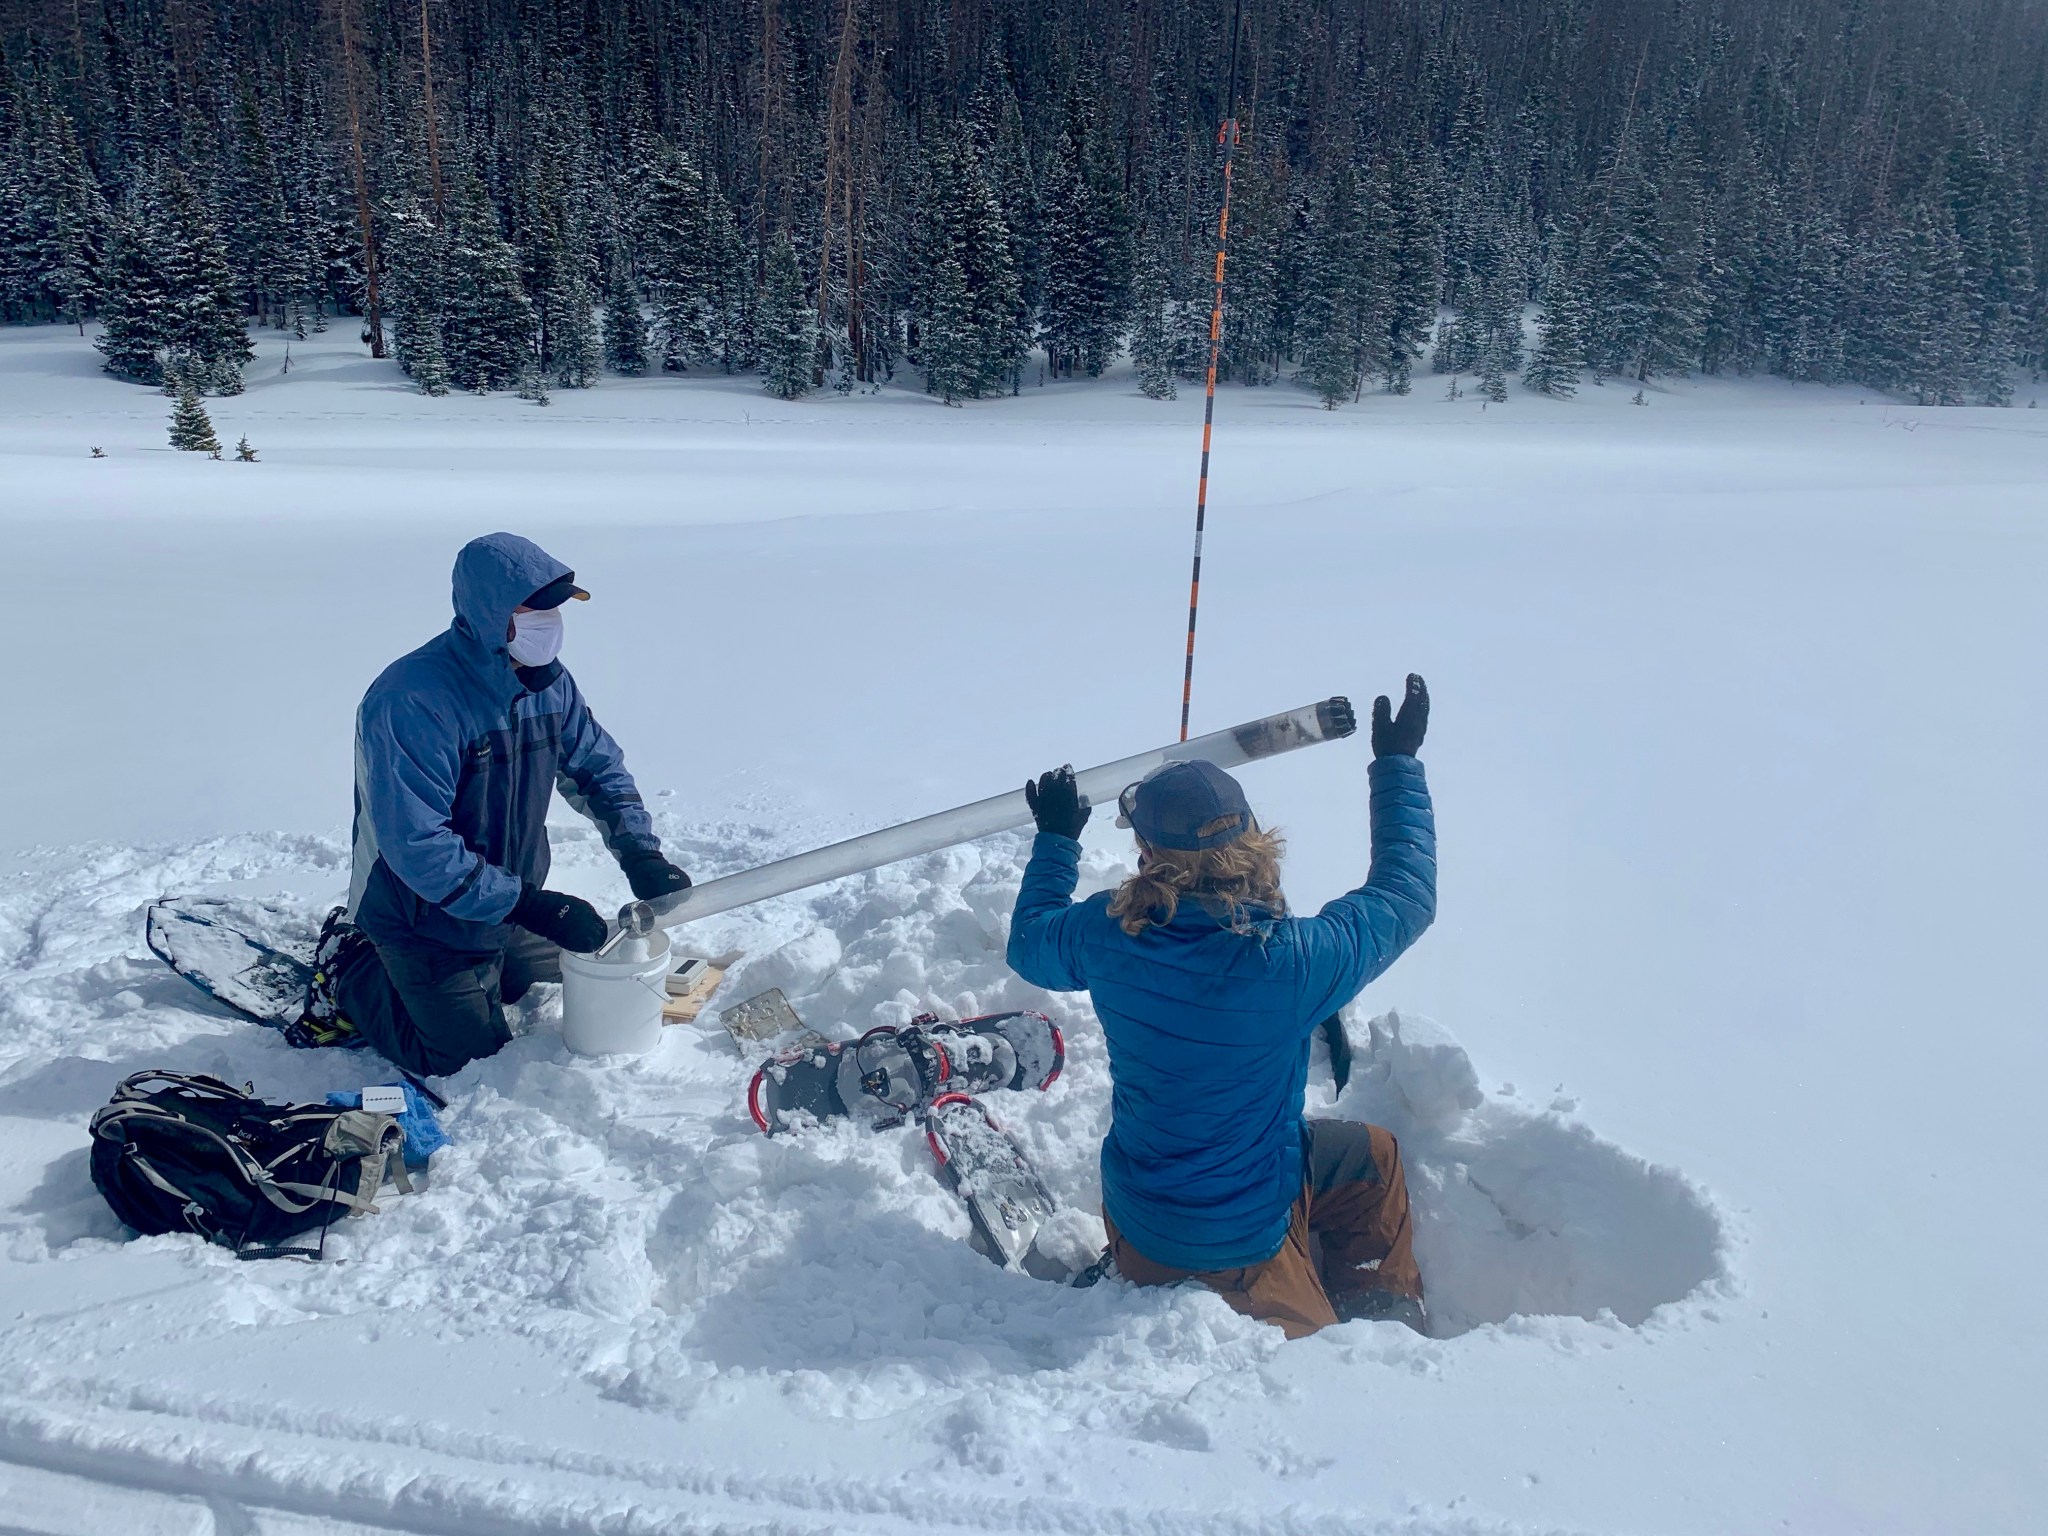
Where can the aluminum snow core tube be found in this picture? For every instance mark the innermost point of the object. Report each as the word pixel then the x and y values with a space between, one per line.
pixel 1247 743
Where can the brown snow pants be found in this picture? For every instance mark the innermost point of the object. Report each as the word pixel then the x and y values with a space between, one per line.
pixel 1350 1235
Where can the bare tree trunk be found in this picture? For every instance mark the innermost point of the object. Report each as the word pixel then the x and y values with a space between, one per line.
pixel 433 120
pixel 78 49
pixel 769 101
pixel 857 223
pixel 373 316
pixel 838 136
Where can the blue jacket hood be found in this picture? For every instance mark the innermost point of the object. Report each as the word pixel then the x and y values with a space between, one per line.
pixel 494 575
pixel 458 755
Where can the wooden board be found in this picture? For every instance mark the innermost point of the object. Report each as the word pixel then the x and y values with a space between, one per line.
pixel 683 1007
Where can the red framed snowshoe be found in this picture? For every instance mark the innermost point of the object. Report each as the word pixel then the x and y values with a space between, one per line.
pixel 889 1074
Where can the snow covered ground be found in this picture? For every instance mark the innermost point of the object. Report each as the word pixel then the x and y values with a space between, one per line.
pixel 1718 1074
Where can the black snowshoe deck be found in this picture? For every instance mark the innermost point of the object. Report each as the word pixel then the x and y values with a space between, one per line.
pixel 207 940
pixel 889 1074
pixel 213 943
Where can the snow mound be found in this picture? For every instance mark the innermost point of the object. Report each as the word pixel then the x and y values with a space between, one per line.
pixel 627 1218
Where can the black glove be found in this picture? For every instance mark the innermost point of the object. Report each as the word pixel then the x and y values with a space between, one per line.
pixel 1401 735
pixel 1056 803
pixel 652 876
pixel 1335 718
pixel 569 921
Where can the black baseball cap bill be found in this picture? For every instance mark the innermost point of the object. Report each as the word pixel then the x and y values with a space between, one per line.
pixel 1187 806
pixel 557 592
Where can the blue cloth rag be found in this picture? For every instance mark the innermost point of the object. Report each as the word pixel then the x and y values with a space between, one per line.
pixel 423 1134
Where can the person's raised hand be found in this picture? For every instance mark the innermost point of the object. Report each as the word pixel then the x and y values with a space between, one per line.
pixel 1056 803
pixel 1401 735
pixel 569 921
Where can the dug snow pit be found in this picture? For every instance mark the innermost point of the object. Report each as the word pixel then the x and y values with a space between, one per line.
pixel 1520 1211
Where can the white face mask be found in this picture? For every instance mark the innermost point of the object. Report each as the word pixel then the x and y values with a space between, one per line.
pixel 536 637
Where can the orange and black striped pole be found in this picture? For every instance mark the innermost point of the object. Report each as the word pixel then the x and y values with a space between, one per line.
pixel 1227 137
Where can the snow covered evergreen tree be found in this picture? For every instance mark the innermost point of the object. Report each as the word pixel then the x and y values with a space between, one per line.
pixel 204 331
pixel 673 235
pixel 1003 150
pixel 488 323
pixel 1253 340
pixel 1624 259
pixel 1086 270
pixel 1331 324
pixel 625 326
pixel 951 354
pixel 788 326
pixel 415 287
pixel 1560 346
pixel 135 320
pixel 695 264
pixel 429 362
pixel 1151 341
pixel 1410 255
pixel 575 349
pixel 53 219
pixel 1934 331
pixel 970 304
pixel 259 222
pixel 191 427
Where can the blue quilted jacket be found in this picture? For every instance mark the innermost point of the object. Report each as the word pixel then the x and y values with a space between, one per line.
pixel 1209 1029
pixel 457 754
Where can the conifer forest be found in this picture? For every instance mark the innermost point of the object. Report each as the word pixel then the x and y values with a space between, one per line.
pixel 972 196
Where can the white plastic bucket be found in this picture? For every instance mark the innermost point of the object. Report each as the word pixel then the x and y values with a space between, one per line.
pixel 612 1007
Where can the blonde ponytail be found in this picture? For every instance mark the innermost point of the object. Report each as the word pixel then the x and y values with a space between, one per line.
pixel 1237 876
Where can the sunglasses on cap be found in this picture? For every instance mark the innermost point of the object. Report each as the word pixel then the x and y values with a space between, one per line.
pixel 1124 802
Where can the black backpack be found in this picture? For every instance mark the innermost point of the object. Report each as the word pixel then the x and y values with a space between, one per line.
pixel 176 1153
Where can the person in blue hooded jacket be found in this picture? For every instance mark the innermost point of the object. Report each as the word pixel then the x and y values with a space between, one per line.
pixel 459 747
pixel 1208 993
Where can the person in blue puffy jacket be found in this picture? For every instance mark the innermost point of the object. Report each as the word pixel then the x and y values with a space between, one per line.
pixel 1209 993
pixel 459 747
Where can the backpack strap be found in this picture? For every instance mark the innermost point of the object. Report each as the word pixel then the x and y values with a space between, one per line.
pixel 198 1084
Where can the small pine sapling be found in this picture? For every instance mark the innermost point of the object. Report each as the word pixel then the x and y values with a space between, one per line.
pixel 99 453
pixel 191 427
pixel 1639 400
pixel 244 453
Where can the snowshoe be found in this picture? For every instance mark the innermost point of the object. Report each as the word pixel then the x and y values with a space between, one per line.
pixel 891 1074
pixel 213 942
pixel 219 945
pixel 1006 1200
